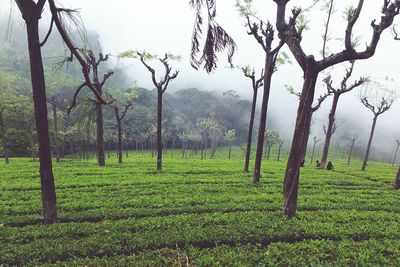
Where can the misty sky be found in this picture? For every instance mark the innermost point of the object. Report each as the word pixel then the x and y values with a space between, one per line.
pixel 160 26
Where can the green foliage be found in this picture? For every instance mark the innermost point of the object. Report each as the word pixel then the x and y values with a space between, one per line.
pixel 230 136
pixel 272 137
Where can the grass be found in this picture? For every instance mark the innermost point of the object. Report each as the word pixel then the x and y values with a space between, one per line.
pixel 203 213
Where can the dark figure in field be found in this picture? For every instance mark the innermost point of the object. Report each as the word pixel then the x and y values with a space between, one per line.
pixel 317 165
pixel 329 167
pixel 302 163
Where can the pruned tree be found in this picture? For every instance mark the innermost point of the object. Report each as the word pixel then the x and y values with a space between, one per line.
pixel 31 13
pixel 337 92
pixel 377 105
pixel 395 153
pixel 291 33
pixel 264 34
pixel 255 84
pixel 161 86
pixel 90 71
pixel 122 102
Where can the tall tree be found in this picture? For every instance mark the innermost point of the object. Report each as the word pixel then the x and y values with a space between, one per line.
pixel 291 32
pixel 161 87
pixel 31 13
pixel 337 92
pixel 378 106
pixel 90 67
pixel 264 34
pixel 255 84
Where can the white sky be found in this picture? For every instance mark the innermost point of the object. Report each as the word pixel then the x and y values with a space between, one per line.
pixel 159 26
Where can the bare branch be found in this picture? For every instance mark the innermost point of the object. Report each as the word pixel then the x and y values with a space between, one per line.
pixel 48 33
pixel 73 104
pixel 321 99
pixel 106 77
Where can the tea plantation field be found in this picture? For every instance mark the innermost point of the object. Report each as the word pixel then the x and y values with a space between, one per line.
pixel 198 213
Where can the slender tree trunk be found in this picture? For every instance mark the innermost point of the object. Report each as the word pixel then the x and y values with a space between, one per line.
pixel 269 151
pixel 230 151
pixel 58 152
pixel 250 132
pixel 395 154
pixel 159 131
pixel 119 126
pixel 42 127
pixel 371 135
pixel 351 152
pixel 269 70
pixel 279 152
pixel 304 114
pixel 397 181
pixel 100 135
pixel 329 131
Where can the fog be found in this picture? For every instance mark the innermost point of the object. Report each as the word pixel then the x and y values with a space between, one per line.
pixel 166 26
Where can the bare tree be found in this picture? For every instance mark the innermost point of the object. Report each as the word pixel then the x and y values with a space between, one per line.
pixel 291 33
pixel 378 106
pixel 395 153
pixel 256 83
pixel 264 34
pixel 337 92
pixel 31 13
pixel 90 67
pixel 161 86
pixel 119 116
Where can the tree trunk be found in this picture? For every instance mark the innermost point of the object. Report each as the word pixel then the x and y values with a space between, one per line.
pixel 371 135
pixel 100 135
pixel 269 151
pixel 159 131
pixel 119 126
pixel 269 70
pixel 329 131
pixel 250 132
pixel 397 181
pixel 230 151
pixel 395 154
pixel 279 152
pixel 351 152
pixel 40 106
pixel 58 152
pixel 302 129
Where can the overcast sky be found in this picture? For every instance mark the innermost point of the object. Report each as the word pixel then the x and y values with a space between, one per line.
pixel 160 26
